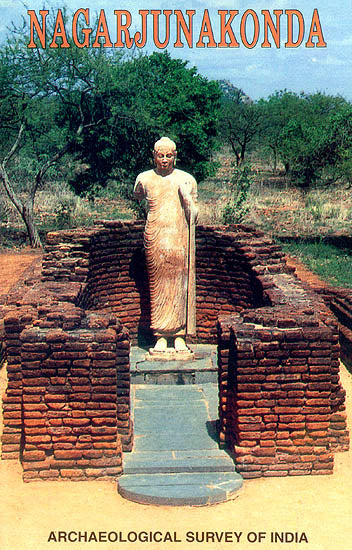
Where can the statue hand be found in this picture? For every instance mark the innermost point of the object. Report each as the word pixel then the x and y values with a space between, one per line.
pixel 138 191
pixel 190 205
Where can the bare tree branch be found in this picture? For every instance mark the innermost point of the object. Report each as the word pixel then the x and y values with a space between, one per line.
pixel 8 188
pixel 55 158
pixel 14 147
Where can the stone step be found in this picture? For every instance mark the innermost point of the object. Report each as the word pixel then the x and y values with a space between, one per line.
pixel 176 458
pixel 180 489
pixel 148 462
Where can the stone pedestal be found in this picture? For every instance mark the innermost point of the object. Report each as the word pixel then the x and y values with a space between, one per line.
pixel 170 354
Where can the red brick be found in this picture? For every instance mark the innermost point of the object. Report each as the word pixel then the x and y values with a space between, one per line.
pixel 105 445
pixel 72 474
pixel 34 423
pixel 33 456
pixel 317 425
pixel 69 454
pixel 253 411
pixel 34 439
pixel 273 473
pixel 49 474
pixel 288 418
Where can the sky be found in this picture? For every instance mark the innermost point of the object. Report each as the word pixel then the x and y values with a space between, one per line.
pixel 258 71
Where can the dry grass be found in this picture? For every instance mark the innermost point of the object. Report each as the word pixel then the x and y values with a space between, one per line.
pixel 289 211
pixel 57 207
pixel 274 205
pixel 277 207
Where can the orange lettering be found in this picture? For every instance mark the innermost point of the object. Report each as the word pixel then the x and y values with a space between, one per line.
pixel 269 24
pixel 141 38
pixel 187 31
pixel 156 14
pixel 206 32
pixel 34 23
pixel 123 28
pixel 59 32
pixel 316 30
pixel 85 32
pixel 243 29
pixel 225 28
pixel 290 43
pixel 102 32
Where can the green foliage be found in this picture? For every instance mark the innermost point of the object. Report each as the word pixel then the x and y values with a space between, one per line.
pixel 277 110
pixel 92 115
pixel 314 206
pixel 46 99
pixel 329 262
pixel 240 121
pixel 123 188
pixel 237 207
pixel 146 97
pixel 340 125
pixel 310 134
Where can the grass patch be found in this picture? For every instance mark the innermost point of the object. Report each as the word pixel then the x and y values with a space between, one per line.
pixel 331 263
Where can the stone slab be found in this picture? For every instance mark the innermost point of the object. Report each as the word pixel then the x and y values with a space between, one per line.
pixel 200 368
pixel 177 461
pixel 149 393
pixel 169 378
pixel 205 377
pixel 182 392
pixel 201 351
pixel 154 421
pixel 177 441
pixel 172 366
pixel 169 355
pixel 185 489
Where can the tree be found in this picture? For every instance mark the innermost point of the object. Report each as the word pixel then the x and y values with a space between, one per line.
pixel 99 109
pixel 237 205
pixel 312 141
pixel 239 121
pixel 46 103
pixel 151 96
pixel 341 141
pixel 308 133
pixel 278 109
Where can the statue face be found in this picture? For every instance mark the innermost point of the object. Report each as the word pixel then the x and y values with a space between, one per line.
pixel 164 158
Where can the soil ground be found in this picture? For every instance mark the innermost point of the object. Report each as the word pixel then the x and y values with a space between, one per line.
pixel 318 506
pixel 12 265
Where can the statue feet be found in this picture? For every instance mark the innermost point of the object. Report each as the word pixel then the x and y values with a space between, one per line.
pixel 161 344
pixel 180 344
pixel 160 352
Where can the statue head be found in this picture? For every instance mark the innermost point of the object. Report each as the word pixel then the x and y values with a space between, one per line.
pixel 164 156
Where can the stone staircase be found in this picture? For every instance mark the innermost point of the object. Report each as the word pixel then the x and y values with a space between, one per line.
pixel 176 458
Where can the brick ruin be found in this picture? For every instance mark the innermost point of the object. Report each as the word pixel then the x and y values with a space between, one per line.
pixel 69 323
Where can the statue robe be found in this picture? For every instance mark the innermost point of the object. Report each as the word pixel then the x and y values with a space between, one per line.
pixel 170 249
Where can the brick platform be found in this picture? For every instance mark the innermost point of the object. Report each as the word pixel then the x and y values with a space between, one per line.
pixel 281 403
pixel 69 323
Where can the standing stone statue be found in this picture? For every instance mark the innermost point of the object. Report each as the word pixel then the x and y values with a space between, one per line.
pixel 169 242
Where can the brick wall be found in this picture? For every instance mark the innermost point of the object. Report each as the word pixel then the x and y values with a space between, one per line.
pixel 281 403
pixel 117 275
pixel 69 324
pixel 67 402
pixel 75 398
pixel 339 301
pixel 12 436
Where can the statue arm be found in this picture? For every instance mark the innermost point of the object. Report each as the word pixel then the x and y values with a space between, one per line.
pixel 188 192
pixel 194 195
pixel 139 191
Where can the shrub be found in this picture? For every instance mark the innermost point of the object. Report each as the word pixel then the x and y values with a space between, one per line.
pixel 237 206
